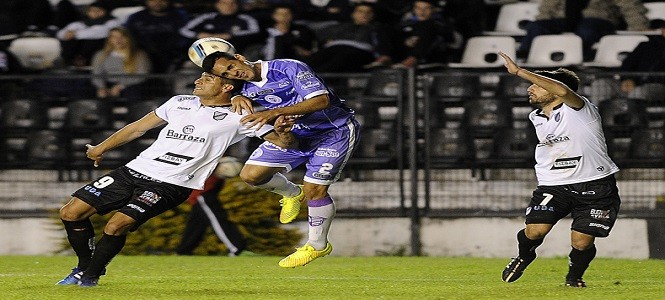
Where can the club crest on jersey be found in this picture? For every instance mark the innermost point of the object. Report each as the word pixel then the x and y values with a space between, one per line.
pixel 557 117
pixel 566 163
pixel 218 116
pixel 273 99
pixel 188 129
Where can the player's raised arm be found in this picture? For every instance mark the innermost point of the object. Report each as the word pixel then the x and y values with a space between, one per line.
pixel 126 134
pixel 569 97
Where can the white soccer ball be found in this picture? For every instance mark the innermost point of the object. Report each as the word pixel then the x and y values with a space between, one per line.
pixel 202 47
pixel 228 167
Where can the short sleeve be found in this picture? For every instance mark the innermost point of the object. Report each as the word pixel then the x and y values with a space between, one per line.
pixel 163 110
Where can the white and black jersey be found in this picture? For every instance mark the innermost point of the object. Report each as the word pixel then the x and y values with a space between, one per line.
pixel 571 146
pixel 190 145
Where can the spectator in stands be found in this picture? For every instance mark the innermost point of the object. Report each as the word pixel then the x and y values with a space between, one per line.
pixel 22 16
pixel 155 30
pixel 120 56
pixel 64 12
pixel 113 4
pixel 648 56
pixel 425 37
pixel 227 23
pixel 286 39
pixel 388 11
pixel 591 20
pixel 81 39
pixel 318 14
pixel 349 46
pixel 467 16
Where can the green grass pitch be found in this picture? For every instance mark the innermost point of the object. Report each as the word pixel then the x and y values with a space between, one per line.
pixel 259 277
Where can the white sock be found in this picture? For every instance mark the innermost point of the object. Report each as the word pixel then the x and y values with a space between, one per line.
pixel 278 184
pixel 321 212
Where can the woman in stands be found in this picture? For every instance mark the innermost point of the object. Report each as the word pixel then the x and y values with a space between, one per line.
pixel 120 57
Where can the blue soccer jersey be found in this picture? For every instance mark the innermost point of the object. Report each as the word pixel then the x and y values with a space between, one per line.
pixel 287 82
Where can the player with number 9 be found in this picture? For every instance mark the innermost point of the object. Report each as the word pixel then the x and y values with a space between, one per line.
pixel 198 130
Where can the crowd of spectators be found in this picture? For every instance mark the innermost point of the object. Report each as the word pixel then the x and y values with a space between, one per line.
pixel 330 35
pixel 363 33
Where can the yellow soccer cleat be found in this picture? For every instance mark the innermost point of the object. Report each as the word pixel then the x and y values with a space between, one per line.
pixel 304 255
pixel 290 207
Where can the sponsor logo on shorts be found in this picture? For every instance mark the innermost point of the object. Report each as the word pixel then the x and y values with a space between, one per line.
pixel 543 208
pixel 183 108
pixel 149 198
pixel 327 153
pixel 599 226
pixel 141 176
pixel 136 207
pixel 321 175
pixel 272 147
pixel 600 214
pixel 173 159
pixel 566 163
pixel 257 153
pixel 92 190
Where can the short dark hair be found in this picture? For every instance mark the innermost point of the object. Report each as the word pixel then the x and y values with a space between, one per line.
pixel 210 59
pixel 565 76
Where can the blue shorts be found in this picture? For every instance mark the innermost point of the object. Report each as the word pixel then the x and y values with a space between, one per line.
pixel 325 154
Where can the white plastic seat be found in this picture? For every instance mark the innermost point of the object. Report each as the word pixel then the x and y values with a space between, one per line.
pixel 122 13
pixel 36 53
pixel 555 50
pixel 511 16
pixel 655 10
pixel 611 49
pixel 481 52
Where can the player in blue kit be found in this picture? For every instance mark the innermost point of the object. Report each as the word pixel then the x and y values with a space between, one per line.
pixel 325 127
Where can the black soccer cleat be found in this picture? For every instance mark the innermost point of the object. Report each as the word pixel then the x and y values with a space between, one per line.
pixel 515 268
pixel 578 283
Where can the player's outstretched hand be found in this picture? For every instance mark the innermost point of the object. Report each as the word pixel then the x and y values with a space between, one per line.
pixel 94 154
pixel 258 119
pixel 240 103
pixel 284 124
pixel 511 66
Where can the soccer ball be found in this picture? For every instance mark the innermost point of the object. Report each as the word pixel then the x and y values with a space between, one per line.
pixel 228 167
pixel 202 47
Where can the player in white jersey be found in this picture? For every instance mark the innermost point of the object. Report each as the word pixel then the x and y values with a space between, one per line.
pixel 199 128
pixel 575 174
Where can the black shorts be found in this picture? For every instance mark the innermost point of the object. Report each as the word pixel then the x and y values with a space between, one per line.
pixel 133 194
pixel 593 205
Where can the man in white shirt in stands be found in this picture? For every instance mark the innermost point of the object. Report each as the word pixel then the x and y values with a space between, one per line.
pixel 199 128
pixel 575 173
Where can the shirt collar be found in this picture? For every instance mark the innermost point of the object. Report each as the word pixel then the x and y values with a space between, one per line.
pixel 264 73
